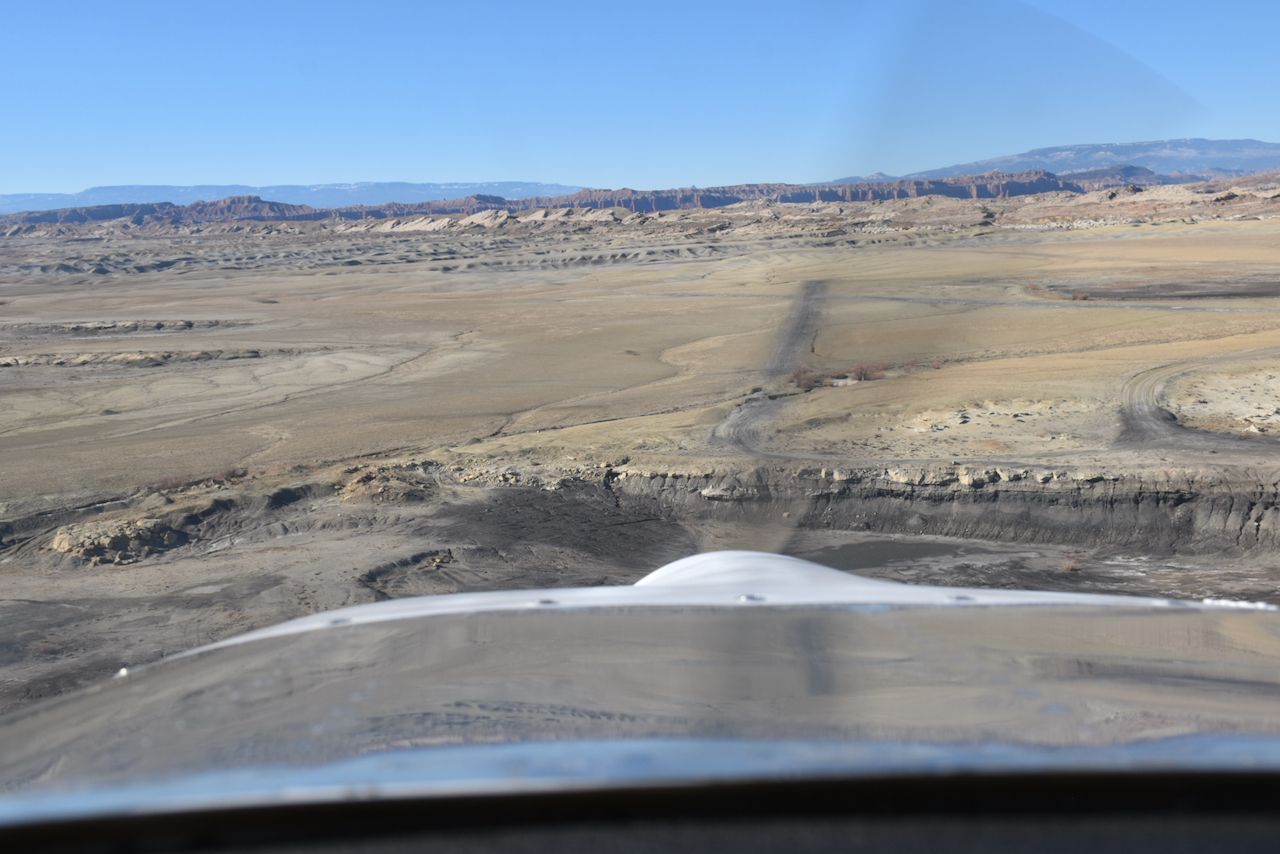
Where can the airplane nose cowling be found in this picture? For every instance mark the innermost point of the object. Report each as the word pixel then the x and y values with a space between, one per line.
pixel 755 571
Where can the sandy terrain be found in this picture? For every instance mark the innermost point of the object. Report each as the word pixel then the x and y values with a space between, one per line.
pixel 1243 397
pixel 218 427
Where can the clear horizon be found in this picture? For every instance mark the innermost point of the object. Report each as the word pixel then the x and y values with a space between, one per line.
pixel 674 95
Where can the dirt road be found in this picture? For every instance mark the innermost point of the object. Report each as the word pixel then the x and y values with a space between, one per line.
pixel 739 430
pixel 1146 420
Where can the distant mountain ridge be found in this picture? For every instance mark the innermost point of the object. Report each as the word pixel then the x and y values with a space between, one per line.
pixel 1089 166
pixel 315 195
pixel 1187 159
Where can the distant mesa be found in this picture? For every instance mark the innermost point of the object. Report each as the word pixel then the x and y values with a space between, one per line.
pixel 1089 167
pixel 315 196
pixel 994 185
pixel 1093 178
pixel 1069 169
pixel 223 210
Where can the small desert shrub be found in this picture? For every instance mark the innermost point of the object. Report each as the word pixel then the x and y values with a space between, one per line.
pixel 175 482
pixel 806 379
pixel 867 371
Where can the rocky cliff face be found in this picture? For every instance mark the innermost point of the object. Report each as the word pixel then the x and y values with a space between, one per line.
pixel 995 185
pixel 1163 512
pixel 991 186
pixel 1001 504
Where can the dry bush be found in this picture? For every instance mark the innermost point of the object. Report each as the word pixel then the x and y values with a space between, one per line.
pixel 1046 292
pixel 867 371
pixel 1079 296
pixel 165 484
pixel 806 379
pixel 176 482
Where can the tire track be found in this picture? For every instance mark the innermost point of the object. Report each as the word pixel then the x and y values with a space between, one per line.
pixel 739 431
pixel 795 338
pixel 1146 421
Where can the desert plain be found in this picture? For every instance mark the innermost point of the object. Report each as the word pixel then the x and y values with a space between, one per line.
pixel 209 428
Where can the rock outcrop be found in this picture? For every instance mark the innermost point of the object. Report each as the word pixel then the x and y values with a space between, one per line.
pixel 116 541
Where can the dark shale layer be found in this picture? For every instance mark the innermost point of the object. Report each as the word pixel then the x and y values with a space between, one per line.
pixel 1157 514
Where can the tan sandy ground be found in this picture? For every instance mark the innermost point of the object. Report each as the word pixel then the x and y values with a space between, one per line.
pixel 568 348
pixel 613 360
pixel 977 363
pixel 1242 398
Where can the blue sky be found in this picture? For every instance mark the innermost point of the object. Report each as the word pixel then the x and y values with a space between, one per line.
pixel 609 94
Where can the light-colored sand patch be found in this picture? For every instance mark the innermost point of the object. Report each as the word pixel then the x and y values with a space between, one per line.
pixel 1243 399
